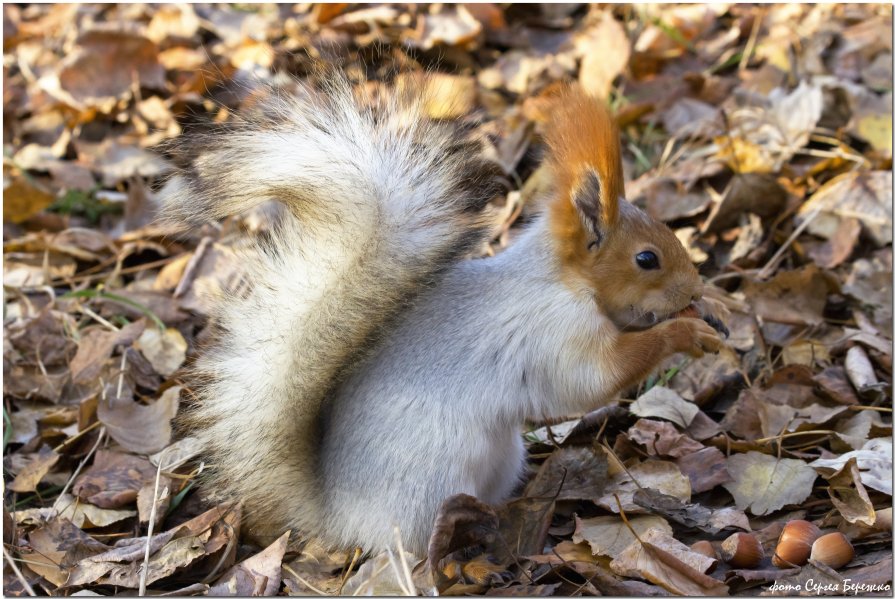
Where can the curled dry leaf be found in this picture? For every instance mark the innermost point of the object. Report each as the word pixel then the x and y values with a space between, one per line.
pixel 662 439
pixel 81 514
pixel 605 53
pixel 764 484
pixel 114 479
pixel 849 495
pixel 792 297
pixel 664 477
pixel 690 515
pixel 106 63
pixel 139 428
pixel 660 559
pixel 874 461
pixel 31 474
pixel 258 575
pixel 662 402
pixel 866 196
pixel 571 473
pixel 610 536
pixel 165 350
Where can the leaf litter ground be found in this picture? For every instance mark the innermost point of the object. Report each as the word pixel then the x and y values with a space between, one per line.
pixel 760 134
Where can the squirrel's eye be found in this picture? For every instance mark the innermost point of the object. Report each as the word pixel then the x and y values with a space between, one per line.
pixel 647 260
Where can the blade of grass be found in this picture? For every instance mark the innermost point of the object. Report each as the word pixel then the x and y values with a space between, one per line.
pixel 96 294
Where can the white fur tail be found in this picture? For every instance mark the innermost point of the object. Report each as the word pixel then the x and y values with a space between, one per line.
pixel 380 202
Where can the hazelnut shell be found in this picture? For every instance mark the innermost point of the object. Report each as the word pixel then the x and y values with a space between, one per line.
pixel 794 545
pixel 742 550
pixel 833 550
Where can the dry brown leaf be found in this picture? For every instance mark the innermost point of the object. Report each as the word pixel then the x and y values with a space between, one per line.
pixel 609 535
pixel 792 297
pixel 865 196
pixel 664 477
pixel 259 575
pixel 165 350
pixel 22 200
pixel 691 515
pixel 849 495
pixel 30 476
pixel 570 473
pixel 764 484
pixel 706 469
pixel 113 479
pixel 659 558
pixel 605 52
pixel 662 402
pixel 874 461
pixel 833 382
pixel 81 514
pixel 106 63
pixel 139 428
pixel 662 439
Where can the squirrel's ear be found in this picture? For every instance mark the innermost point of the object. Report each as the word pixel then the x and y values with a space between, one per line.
pixel 596 204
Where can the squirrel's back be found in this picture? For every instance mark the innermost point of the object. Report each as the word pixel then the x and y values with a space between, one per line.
pixel 380 202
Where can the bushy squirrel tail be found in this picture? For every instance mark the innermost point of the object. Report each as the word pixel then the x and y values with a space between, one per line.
pixel 380 202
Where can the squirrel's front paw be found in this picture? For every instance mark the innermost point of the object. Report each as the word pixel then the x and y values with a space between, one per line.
pixel 693 336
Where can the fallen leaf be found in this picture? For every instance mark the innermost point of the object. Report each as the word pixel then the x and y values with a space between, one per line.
pixel 865 196
pixel 104 65
pixel 664 477
pixel 662 439
pixel 165 350
pixel 849 496
pixel 659 558
pixel 605 52
pixel 570 473
pixel 259 575
pixel 764 484
pixel 609 535
pixel 662 402
pixel 114 479
pixel 29 477
pixel 874 461
pixel 138 428
pixel 691 515
pixel 81 514
pixel 22 200
pixel 706 469
pixel 793 297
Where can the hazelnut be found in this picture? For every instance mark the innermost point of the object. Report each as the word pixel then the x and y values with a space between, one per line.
pixel 795 542
pixel 833 550
pixel 742 550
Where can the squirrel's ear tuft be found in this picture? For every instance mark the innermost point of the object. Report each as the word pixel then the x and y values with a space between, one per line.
pixel 596 208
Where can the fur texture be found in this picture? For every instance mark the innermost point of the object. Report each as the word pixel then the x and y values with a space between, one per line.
pixel 368 374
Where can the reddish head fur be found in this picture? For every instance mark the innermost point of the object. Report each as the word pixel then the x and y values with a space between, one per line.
pixel 598 234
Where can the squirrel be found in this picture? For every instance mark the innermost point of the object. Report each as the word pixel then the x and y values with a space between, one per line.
pixel 369 371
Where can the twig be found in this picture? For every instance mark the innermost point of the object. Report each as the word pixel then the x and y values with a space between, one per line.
pixel 99 438
pixel 772 263
pixel 404 565
pixel 794 434
pixel 77 436
pixel 298 577
pixel 750 44
pixel 18 573
pixel 189 273
pixel 144 571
